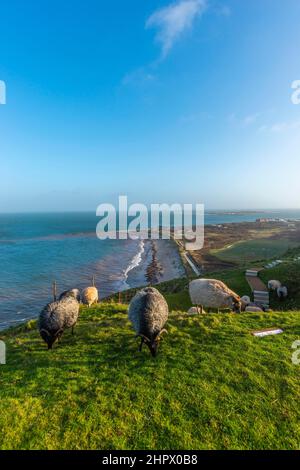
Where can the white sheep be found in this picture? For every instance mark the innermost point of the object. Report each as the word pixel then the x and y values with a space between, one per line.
pixel 90 296
pixel 273 285
pixel 212 293
pixel 245 301
pixel 253 309
pixel 282 292
pixel 195 311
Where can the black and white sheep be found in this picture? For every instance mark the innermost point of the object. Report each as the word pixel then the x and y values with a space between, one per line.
pixel 74 293
pixel 148 312
pixel 56 317
pixel 211 293
pixel 282 292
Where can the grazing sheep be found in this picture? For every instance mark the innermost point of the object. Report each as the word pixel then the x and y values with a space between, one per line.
pixel 195 311
pixel 56 317
pixel 282 292
pixel 253 309
pixel 274 285
pixel 148 312
pixel 74 293
pixel 212 293
pixel 245 301
pixel 90 296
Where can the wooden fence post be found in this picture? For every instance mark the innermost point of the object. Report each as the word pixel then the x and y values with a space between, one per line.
pixel 54 291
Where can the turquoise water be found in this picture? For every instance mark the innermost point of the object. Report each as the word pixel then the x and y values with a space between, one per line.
pixel 36 249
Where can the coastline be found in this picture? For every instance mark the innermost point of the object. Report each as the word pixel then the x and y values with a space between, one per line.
pixel 72 261
pixel 160 261
pixel 132 264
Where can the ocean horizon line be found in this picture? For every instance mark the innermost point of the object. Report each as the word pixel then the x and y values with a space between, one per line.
pixel 208 211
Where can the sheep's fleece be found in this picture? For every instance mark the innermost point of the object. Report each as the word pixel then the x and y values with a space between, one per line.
pixel 59 315
pixel 148 312
pixel 212 293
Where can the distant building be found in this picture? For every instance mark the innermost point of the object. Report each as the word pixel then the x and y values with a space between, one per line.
pixel 268 220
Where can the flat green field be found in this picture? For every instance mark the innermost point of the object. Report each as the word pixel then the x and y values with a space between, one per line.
pixel 212 386
pixel 254 250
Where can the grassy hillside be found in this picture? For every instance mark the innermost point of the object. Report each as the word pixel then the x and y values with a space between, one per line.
pixel 212 386
pixel 258 250
pixel 177 294
pixel 289 275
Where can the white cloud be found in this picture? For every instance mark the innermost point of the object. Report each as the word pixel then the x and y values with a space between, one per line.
pixel 280 127
pixel 171 21
pixel 245 121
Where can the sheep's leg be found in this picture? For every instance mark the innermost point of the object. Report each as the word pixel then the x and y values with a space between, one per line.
pixel 141 345
pixel 72 330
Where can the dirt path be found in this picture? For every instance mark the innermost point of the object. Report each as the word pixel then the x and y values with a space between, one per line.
pixel 256 284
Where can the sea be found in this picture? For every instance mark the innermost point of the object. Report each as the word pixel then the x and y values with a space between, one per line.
pixel 36 249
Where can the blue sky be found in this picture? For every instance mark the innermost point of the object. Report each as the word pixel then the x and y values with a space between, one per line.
pixel 186 101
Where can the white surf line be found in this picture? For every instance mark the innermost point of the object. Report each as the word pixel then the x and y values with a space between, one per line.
pixel 135 262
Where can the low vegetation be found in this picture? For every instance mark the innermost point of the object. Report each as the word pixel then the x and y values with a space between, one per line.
pixel 212 386
pixel 254 250
pixel 288 274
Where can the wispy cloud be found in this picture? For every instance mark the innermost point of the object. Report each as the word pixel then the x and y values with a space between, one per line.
pixel 244 121
pixel 251 119
pixel 280 127
pixel 140 77
pixel 173 20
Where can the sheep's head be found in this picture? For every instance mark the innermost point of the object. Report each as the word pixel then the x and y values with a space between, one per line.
pixel 50 338
pixel 152 344
pixel 237 305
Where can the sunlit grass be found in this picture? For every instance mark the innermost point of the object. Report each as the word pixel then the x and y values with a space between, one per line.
pixel 212 386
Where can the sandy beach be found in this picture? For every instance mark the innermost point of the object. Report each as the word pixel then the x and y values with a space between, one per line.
pixel 160 261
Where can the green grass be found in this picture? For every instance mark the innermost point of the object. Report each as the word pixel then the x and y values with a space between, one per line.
pixel 212 386
pixel 177 294
pixel 254 250
pixel 289 275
